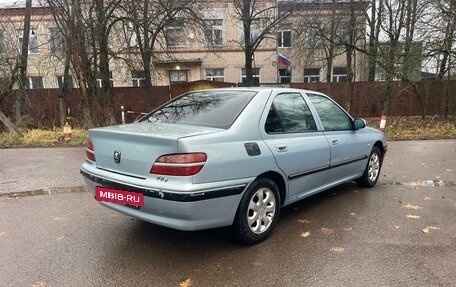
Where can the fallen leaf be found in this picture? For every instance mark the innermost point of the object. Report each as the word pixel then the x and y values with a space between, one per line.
pixel 327 231
pixel 60 238
pixel 348 229
pixel 2 233
pixel 409 206
pixel 305 221
pixel 353 213
pixel 427 198
pixel 428 229
pixel 186 283
pixel 305 234
pixel 397 226
pixel 337 249
pixel 413 216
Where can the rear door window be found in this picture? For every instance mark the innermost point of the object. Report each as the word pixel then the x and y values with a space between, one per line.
pixel 289 113
pixel 217 109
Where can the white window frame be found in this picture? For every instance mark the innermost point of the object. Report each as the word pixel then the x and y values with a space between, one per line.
pixel 282 31
pixel 130 36
pixel 178 29
pixel 213 27
pixel 281 77
pixel 55 46
pixel 2 41
pixel 30 82
pixel 179 76
pixel 312 78
pixel 214 76
pixel 33 47
pixel 255 32
pixel 256 75
pixel 62 79
pixel 138 81
pixel 111 80
pixel 339 78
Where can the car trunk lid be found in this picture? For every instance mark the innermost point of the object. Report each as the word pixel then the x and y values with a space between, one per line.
pixel 138 145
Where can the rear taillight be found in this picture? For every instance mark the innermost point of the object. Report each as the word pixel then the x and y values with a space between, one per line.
pixel 90 154
pixel 182 164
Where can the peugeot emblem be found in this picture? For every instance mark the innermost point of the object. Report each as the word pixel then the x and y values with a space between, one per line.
pixel 117 156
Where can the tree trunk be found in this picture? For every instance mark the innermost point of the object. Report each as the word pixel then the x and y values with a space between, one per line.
pixel 248 45
pixel 21 95
pixel 64 91
pixel 10 125
pixel 102 35
pixel 372 50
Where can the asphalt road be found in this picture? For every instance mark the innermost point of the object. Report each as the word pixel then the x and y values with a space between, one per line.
pixel 400 233
pixel 32 169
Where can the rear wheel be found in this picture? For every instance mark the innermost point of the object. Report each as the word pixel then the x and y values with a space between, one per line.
pixel 372 171
pixel 258 212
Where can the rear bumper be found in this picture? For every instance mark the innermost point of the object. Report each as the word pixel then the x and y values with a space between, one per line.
pixel 192 210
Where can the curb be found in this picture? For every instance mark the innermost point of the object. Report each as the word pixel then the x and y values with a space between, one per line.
pixel 45 191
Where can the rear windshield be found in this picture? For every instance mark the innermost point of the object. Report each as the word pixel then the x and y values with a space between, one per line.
pixel 217 109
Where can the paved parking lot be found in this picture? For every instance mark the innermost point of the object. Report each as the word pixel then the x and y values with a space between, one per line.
pixel 400 233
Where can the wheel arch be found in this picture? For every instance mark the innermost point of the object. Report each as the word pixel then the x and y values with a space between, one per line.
pixel 382 149
pixel 279 180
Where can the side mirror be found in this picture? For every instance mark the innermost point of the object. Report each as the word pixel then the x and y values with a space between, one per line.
pixel 359 124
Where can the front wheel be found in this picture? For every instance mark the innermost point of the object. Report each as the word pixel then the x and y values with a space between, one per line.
pixel 372 171
pixel 258 212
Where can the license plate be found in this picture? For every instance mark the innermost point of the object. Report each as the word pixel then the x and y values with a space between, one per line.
pixel 119 196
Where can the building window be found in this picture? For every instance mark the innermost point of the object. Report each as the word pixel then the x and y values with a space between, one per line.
pixel 256 76
pixel 2 42
pixel 255 32
pixel 138 78
pixel 284 76
pixel 33 40
pixel 175 35
pixel 312 38
pixel 56 40
pixel 214 32
pixel 67 81
pixel 339 74
pixel 214 75
pixel 284 37
pixel 100 83
pixel 311 75
pixel 177 76
pixel 34 83
pixel 130 35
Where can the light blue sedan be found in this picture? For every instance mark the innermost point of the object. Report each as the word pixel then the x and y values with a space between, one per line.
pixel 230 157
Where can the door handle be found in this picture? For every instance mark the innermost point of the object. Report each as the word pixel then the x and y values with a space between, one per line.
pixel 281 148
pixel 334 142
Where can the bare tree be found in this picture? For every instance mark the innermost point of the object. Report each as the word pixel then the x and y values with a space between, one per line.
pixel 145 24
pixel 104 22
pixel 326 30
pixel 259 21
pixel 68 16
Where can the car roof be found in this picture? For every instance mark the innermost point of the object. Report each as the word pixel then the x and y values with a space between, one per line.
pixel 260 89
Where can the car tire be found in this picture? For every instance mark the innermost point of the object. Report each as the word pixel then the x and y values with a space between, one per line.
pixel 372 171
pixel 258 212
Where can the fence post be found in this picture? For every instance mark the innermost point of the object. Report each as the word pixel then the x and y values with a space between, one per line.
pixel 383 123
pixel 123 114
